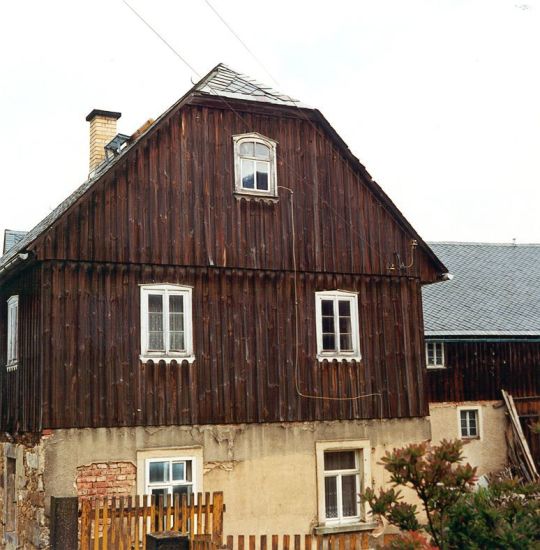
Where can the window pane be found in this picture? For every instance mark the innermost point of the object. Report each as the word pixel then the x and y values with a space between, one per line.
pixel 340 460
pixel 327 307
pixel 262 151
pixel 248 174
pixel 155 303
pixel 176 304
pixel 430 354
pixel 345 342
pixel 246 149
pixel 329 342
pixel 328 325
pixel 176 322
pixel 345 308
pixel 345 325
pixel 348 495
pixel 262 176
pixel 177 341
pixel 189 476
pixel 159 472
pixel 178 471
pixel 330 497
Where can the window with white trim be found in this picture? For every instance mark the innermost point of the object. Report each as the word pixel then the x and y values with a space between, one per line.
pixel 469 424
pixel 255 165
pixel 166 323
pixel 434 355
pixel 341 486
pixel 337 325
pixel 170 476
pixel 12 332
pixel 343 472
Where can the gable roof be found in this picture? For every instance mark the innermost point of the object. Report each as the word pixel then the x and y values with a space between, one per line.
pixel 221 81
pixel 495 291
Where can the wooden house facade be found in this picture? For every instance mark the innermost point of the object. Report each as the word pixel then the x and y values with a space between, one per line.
pixel 483 336
pixel 230 301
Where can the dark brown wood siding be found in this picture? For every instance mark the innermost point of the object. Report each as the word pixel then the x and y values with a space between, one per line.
pixel 170 201
pixel 20 390
pixel 244 339
pixel 479 370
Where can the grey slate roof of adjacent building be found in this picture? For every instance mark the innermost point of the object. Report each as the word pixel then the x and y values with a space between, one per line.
pixel 11 238
pixel 495 291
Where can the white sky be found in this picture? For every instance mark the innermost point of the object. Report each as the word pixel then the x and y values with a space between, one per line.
pixel 439 99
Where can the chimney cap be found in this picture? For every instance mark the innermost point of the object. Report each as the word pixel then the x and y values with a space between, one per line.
pixel 100 112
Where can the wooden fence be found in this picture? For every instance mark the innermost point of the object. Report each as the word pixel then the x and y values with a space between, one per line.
pixel 346 541
pixel 122 523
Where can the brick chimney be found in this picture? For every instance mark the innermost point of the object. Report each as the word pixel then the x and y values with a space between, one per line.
pixel 102 130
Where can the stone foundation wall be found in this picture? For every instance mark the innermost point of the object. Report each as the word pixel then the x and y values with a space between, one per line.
pixel 101 479
pixel 29 530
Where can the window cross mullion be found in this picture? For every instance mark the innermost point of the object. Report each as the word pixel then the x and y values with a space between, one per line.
pixel 166 321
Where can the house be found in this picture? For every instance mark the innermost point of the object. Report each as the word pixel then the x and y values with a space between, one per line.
pixel 229 302
pixel 482 333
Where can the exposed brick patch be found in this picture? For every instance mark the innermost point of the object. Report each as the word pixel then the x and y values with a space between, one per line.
pixel 101 479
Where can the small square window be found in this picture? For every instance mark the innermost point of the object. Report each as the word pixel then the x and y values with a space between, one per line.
pixel 469 426
pixel 337 325
pixel 255 165
pixel 435 355
pixel 170 476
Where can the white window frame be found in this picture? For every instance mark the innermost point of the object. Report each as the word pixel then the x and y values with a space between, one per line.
pixel 272 170
pixel 145 456
pixel 167 290
pixel 12 340
pixel 478 411
pixel 170 484
pixel 337 295
pixel 362 449
pixel 436 365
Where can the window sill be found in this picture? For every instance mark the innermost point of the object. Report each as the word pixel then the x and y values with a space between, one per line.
pixel 167 358
pixel 438 367
pixel 338 358
pixel 262 197
pixel 345 528
pixel 11 366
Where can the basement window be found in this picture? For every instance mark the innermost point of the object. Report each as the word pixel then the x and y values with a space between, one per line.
pixel 255 165
pixel 337 325
pixel 166 323
pixel 12 333
pixel 435 355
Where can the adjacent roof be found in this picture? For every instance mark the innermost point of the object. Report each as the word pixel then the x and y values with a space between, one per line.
pixel 495 291
pixel 221 82
pixel 11 238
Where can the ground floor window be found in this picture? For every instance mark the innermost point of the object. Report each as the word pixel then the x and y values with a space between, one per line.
pixel 162 472
pixel 469 423
pixel 169 476
pixel 343 471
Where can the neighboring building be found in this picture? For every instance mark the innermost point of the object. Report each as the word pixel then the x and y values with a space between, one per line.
pixel 229 303
pixel 482 333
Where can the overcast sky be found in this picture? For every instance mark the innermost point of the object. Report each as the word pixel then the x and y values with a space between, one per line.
pixel 440 100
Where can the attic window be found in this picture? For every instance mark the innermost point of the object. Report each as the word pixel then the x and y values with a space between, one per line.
pixel 435 355
pixel 255 165
pixel 12 332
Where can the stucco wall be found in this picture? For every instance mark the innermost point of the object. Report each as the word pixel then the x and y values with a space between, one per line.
pixel 266 471
pixel 488 453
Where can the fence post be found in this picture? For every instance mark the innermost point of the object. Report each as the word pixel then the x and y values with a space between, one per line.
pixel 217 518
pixel 64 522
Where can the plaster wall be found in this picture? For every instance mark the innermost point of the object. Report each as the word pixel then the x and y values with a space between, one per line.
pixel 268 472
pixel 488 452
